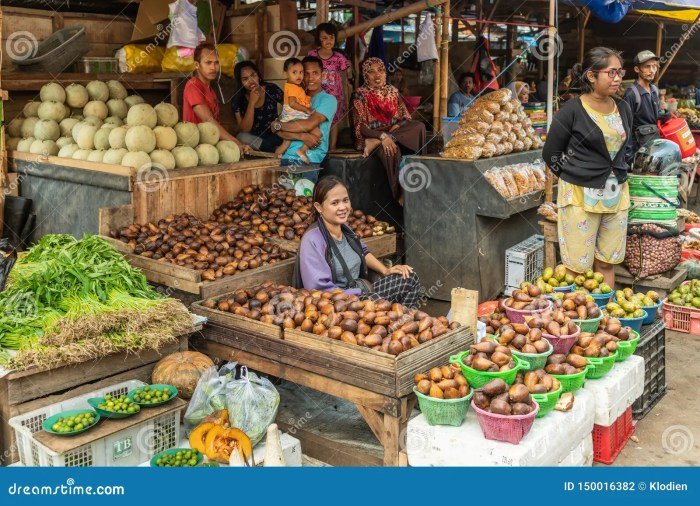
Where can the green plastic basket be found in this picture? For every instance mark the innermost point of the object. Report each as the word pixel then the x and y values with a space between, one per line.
pixel 173 451
pixel 572 382
pixel 589 325
pixel 443 411
pixel 600 366
pixel 536 360
pixel 547 401
pixel 478 379
pixel 96 401
pixel 157 386
pixel 626 348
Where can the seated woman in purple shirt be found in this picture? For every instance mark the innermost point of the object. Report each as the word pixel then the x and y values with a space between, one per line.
pixel 331 255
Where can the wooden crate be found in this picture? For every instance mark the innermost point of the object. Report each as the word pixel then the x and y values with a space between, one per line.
pixel 24 391
pixel 379 245
pixel 362 367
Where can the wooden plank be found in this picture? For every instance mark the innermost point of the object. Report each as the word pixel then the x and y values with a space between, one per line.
pixel 104 429
pixel 234 321
pixel 390 440
pixel 297 374
pixel 464 307
pixel 380 245
pixel 114 218
pixel 33 383
pixel 279 272
pixel 329 451
pixel 374 419
pixel 75 164
pixel 170 282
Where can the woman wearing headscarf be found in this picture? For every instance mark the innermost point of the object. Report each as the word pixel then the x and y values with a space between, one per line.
pixel 520 90
pixel 382 121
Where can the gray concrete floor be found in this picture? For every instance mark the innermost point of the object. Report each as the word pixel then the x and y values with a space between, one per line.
pixel 670 434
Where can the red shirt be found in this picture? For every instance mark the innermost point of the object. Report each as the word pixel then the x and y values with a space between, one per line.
pixel 196 92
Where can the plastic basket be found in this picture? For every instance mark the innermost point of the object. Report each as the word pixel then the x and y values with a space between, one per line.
pixel 590 325
pixel 506 428
pixel 609 441
pixel 625 349
pixel 572 382
pixel 478 379
pixel 518 315
pixel 600 366
pixel 57 52
pixel 547 401
pixel 443 411
pixel 651 313
pixel 601 298
pixel 128 447
pixel 536 360
pixel 561 344
pixel 681 318
pixel 524 262
pixel 564 289
pixel 633 323
pixel 652 348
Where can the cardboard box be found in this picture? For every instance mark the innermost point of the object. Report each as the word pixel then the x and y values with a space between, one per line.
pixel 150 15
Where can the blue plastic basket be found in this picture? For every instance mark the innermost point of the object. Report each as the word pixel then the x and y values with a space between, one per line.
pixel 651 313
pixel 634 323
pixel 601 298
pixel 564 289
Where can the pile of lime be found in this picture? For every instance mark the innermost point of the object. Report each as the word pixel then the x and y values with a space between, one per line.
pixel 183 458
pixel 119 405
pixel 74 423
pixel 148 395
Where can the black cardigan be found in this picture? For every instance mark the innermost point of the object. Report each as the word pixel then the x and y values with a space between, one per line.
pixel 575 149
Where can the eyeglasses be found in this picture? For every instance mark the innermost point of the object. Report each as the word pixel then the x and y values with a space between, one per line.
pixel 612 72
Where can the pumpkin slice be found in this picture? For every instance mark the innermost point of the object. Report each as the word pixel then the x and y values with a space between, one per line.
pixel 199 434
pixel 220 442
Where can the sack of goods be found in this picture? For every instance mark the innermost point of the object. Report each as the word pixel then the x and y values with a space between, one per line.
pixel 652 249
pixel 654 199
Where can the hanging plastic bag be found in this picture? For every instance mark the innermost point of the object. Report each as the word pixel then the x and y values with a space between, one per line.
pixel 693 268
pixel 652 249
pixel 184 29
pixel 252 404
pixel 425 43
pixel 209 395
pixel 8 257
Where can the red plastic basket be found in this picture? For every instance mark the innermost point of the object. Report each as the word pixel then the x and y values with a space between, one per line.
pixel 518 316
pixel 682 319
pixel 609 441
pixel 562 344
pixel 509 429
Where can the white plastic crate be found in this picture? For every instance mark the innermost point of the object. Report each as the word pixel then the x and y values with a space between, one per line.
pixel 128 447
pixel 524 262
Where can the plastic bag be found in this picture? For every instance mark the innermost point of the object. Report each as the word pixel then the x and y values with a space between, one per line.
pixel 8 257
pixel 693 268
pixel 252 404
pixel 184 29
pixel 140 58
pixel 209 395
pixel 178 59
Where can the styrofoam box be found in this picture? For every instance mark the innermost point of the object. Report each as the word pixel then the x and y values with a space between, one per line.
pixel 581 456
pixel 128 447
pixel 617 390
pixel 291 451
pixel 551 441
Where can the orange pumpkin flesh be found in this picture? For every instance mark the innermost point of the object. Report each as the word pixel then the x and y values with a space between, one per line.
pixel 199 434
pixel 220 442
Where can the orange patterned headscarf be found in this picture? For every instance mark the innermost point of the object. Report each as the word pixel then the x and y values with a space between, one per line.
pixel 382 101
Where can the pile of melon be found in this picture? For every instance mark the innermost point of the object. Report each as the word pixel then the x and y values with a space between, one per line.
pixel 100 122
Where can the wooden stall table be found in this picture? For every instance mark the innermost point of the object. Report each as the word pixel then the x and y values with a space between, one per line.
pixel 380 385
pixel 34 388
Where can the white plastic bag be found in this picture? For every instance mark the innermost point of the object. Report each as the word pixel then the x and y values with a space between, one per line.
pixel 209 395
pixel 425 43
pixel 252 404
pixel 184 29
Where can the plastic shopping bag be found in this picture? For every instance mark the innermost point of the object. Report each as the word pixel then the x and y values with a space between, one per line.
pixel 209 395
pixel 252 404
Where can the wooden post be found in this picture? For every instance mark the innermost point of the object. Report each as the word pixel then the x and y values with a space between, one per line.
pixel 659 37
pixel 356 46
pixel 436 80
pixel 321 11
pixel 582 23
pixel 445 59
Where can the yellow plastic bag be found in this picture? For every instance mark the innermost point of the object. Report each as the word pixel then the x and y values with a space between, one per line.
pixel 181 59
pixel 142 58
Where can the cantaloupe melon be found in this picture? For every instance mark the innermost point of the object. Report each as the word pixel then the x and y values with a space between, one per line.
pixel 76 96
pixel 167 114
pixel 81 154
pixel 68 150
pixel 96 108
pixel 52 92
pixel 55 111
pixel 163 158
pixel 114 156
pixel 229 152
pixel 132 100
pixel 31 109
pixel 117 137
pixel 142 114
pixel 96 155
pixel 47 130
pixel 208 154
pixel 97 90
pixel 67 126
pixel 116 90
pixel 64 141
pixel 28 125
pixel 140 138
pixel 185 156
pixel 86 136
pixel 187 134
pixel 208 133
pixel 101 140
pixel 166 138
pixel 45 147
pixel 15 127
pixel 137 159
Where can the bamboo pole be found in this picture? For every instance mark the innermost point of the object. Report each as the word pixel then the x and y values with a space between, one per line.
pixel 582 34
pixel 389 17
pixel 436 79
pixel 659 37
pixel 677 47
pixel 445 59
pixel 321 11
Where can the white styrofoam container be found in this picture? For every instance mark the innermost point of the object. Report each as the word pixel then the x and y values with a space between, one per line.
pixel 524 262
pixel 128 447
pixel 581 456
pixel 617 390
pixel 551 439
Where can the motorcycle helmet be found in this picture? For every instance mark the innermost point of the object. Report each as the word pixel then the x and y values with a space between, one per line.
pixel 656 157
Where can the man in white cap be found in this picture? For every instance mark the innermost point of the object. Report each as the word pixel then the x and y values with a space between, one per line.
pixel 643 98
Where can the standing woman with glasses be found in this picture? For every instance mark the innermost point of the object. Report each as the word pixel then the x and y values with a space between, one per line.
pixel 585 147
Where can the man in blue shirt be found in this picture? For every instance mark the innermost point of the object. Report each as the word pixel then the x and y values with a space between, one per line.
pixel 461 99
pixel 324 107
